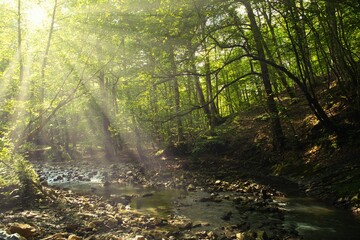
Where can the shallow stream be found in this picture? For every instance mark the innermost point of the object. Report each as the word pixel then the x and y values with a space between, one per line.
pixel 310 218
pixel 316 221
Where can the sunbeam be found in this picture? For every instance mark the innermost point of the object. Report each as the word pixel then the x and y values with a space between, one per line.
pixel 36 17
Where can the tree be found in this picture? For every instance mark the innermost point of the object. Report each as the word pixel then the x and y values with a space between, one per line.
pixel 278 136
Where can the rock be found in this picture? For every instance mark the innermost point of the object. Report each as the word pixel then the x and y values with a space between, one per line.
pixel 5 236
pixel 71 227
pixel 96 223
pixel 44 183
pixel 74 237
pixel 240 236
pixel 24 230
pixel 148 195
pixel 211 234
pixel 139 237
pixel 58 178
pixel 106 184
pixel 80 177
pixel 191 188
pixel 111 223
pixel 181 224
pixel 199 224
pixel 57 236
pixel 217 182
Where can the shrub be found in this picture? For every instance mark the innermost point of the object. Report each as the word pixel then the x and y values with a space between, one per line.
pixel 17 176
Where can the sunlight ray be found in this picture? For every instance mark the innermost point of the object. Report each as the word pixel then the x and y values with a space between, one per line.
pixel 37 17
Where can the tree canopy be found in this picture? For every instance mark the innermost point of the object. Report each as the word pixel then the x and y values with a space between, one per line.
pixel 79 75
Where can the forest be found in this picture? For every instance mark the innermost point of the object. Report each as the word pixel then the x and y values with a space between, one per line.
pixel 186 119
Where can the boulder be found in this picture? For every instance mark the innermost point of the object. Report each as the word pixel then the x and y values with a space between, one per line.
pixel 24 230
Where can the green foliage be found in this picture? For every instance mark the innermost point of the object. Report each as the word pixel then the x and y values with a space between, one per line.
pixel 213 145
pixel 26 176
pixel 16 173
pixel 8 176
pixel 139 62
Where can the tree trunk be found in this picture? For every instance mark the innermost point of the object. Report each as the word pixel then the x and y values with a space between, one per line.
pixel 282 76
pixel 344 63
pixel 214 113
pixel 278 136
pixel 175 86
pixel 41 136
pixel 20 57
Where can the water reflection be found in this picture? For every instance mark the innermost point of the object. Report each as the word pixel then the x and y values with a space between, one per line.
pixel 313 220
pixel 317 221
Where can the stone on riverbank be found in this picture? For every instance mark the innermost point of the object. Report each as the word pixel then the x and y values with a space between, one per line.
pixel 24 230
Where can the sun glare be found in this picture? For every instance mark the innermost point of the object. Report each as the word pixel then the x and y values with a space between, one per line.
pixel 36 17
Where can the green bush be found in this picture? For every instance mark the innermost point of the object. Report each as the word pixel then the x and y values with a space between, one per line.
pixel 209 144
pixel 16 174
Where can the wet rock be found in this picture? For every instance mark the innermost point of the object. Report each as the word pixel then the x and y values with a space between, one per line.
pixel 199 224
pixel 148 195
pixel 80 177
pixel 106 184
pixel 181 224
pixel 58 178
pixel 116 199
pixel 24 230
pixel 5 236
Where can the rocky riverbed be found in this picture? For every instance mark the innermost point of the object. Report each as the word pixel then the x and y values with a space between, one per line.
pixel 123 201
pixel 101 200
